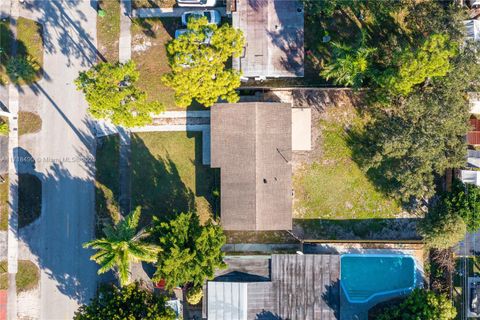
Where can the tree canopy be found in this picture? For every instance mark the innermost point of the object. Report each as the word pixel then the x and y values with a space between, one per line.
pixel 421 304
pixel 130 302
pixel 190 252
pixel 121 246
pixel 111 94
pixel 198 61
pixel 442 229
pixel 464 200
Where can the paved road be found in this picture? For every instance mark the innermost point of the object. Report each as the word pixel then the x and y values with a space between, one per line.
pixel 68 278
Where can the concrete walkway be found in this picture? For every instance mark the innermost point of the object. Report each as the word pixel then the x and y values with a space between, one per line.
pixel 169 12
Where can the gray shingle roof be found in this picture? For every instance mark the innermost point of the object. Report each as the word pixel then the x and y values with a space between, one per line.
pixel 274 36
pixel 251 143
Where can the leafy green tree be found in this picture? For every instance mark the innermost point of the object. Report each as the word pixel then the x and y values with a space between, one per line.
pixel 464 200
pixel 349 66
pixel 415 66
pixel 130 302
pixel 191 252
pixel 411 139
pixel 112 95
pixel 22 68
pixel 442 229
pixel 421 305
pixel 198 61
pixel 121 246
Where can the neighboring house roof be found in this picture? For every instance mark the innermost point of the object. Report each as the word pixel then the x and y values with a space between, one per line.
pixel 273 31
pixel 470 176
pixel 301 287
pixel 252 144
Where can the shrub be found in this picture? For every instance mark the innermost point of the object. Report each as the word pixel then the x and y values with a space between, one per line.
pixel 22 68
pixel 194 295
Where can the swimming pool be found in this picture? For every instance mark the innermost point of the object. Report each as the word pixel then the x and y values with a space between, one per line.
pixel 365 276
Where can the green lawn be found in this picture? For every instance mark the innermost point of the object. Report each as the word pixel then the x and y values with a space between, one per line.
pixel 28 276
pixel 28 122
pixel 154 3
pixel 168 176
pixel 334 186
pixel 107 181
pixel 4 205
pixel 108 29
pixel 149 37
pixel 29 43
pixel 3 275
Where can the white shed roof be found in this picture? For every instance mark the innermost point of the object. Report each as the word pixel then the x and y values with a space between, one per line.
pixel 227 300
pixel 470 176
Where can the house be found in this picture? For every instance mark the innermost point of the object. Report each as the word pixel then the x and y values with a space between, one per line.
pixel 309 290
pixel 472 28
pixel 251 143
pixel 274 34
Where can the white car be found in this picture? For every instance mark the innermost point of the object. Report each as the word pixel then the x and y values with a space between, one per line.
pixel 196 3
pixel 213 16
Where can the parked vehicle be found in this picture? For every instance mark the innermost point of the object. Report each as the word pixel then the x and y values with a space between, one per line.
pixel 213 16
pixel 196 3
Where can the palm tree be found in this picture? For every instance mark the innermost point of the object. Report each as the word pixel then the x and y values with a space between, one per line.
pixel 121 246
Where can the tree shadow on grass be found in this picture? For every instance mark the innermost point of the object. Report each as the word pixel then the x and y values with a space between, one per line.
pixel 157 186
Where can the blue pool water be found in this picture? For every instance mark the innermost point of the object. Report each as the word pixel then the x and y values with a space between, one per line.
pixel 364 276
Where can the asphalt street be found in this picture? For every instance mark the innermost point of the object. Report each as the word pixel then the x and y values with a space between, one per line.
pixel 63 153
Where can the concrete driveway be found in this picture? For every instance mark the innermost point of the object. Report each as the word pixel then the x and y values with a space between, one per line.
pixel 63 153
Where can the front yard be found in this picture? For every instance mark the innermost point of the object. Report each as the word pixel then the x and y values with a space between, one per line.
pixel 149 37
pixel 168 176
pixel 108 29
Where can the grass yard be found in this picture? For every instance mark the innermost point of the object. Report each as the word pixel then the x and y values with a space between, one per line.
pixel 154 3
pixel 108 29
pixel 168 176
pixel 149 37
pixel 3 275
pixel 27 277
pixel 28 122
pixel 334 186
pixel 4 204
pixel 107 186
pixel 29 44
pixel 30 41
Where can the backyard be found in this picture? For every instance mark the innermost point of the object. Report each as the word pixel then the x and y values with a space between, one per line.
pixel 168 176
pixel 333 197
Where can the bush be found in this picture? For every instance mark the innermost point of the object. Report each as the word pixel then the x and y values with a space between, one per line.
pixel 421 305
pixel 464 199
pixel 442 229
pixel 23 68
pixel 194 295
pixel 129 302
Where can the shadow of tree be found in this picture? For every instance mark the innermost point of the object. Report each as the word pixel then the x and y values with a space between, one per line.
pixel 331 296
pixel 57 14
pixel 157 185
